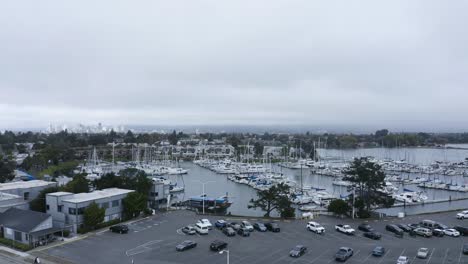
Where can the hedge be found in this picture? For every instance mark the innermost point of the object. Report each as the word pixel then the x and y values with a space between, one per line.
pixel 84 230
pixel 14 244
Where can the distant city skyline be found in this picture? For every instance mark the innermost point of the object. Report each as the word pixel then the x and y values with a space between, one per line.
pixel 330 65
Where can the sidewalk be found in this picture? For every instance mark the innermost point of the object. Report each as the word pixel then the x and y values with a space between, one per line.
pixel 11 256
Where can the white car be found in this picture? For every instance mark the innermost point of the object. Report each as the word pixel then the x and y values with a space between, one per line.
pixel 451 232
pixel 422 253
pixel 205 222
pixel 315 227
pixel 462 215
pixel 403 260
pixel 247 225
pixel 202 229
pixel 345 229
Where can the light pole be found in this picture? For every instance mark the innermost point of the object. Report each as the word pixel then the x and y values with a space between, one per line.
pixel 227 252
pixel 203 184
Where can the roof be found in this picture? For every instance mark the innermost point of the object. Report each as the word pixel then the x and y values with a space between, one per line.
pixel 7 196
pixel 46 231
pixel 22 220
pixel 105 193
pixel 60 193
pixel 24 184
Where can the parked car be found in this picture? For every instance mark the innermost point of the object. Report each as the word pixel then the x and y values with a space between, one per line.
pixel 413 226
pixel 403 260
pixel 428 224
pixel 298 251
pixel 189 230
pixel 438 232
pixel 378 251
pixel 462 215
pixel 243 232
pixel 365 227
pixel 202 229
pixel 451 232
pixel 248 225
pixel 122 229
pixel 422 253
pixel 346 229
pixel 315 227
pixel 188 244
pixel 260 227
pixel 236 226
pixel 220 224
pixel 229 231
pixel 405 227
pixel 344 253
pixel 441 226
pixel 422 231
pixel 273 227
pixel 465 249
pixel 463 230
pixel 373 235
pixel 205 222
pixel 218 245
pixel 394 229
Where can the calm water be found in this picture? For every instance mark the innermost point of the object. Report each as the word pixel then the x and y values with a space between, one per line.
pixel 241 194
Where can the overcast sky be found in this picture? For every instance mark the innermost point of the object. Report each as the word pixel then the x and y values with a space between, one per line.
pixel 399 64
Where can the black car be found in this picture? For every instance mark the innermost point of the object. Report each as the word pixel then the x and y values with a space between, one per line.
pixel 122 229
pixel 243 232
pixel 273 227
pixel 229 231
pixel 441 226
pixel 260 227
pixel 344 254
pixel 378 252
pixel 405 227
pixel 394 229
pixel 236 226
pixel 188 244
pixel 463 230
pixel 438 232
pixel 373 235
pixel 365 227
pixel 465 249
pixel 298 251
pixel 218 245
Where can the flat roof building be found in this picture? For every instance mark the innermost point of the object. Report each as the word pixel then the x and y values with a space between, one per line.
pixel 29 190
pixel 67 208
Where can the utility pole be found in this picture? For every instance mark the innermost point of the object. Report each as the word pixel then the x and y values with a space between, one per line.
pixel 354 198
pixel 203 190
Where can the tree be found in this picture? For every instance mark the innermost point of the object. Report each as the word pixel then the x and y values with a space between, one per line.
pixel 134 204
pixel 258 149
pixel 79 184
pixel 93 215
pixel 173 138
pixel 339 207
pixel 272 199
pixel 39 203
pixel 7 170
pixel 381 133
pixel 368 180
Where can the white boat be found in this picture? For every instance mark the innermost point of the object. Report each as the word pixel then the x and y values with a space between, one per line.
pixel 308 208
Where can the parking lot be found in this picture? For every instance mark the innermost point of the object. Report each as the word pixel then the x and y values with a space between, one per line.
pixel 153 240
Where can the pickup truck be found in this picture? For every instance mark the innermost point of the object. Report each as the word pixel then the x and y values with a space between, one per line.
pixel 346 229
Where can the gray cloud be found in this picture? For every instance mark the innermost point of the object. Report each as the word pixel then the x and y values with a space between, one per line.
pixel 400 64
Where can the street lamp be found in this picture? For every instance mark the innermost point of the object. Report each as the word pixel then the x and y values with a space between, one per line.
pixel 203 184
pixel 227 252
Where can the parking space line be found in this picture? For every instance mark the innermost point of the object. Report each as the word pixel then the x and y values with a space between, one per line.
pixel 384 256
pixel 461 251
pixel 446 254
pixel 320 256
pixel 430 256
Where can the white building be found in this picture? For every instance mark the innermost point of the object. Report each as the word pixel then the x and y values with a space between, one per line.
pixel 67 208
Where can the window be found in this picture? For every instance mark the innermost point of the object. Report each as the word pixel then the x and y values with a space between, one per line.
pixel 59 208
pixel 47 207
pixel 18 236
pixel 115 203
pixel 154 194
pixel 81 210
pixel 72 211
pixel 105 205
pixel 26 195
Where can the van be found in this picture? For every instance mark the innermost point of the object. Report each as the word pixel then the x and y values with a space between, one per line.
pixel 429 224
pixel 202 229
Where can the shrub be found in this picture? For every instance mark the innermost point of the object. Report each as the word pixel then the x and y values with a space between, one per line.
pixel 14 244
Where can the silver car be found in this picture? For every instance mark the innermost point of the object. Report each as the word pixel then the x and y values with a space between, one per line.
pixel 422 253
